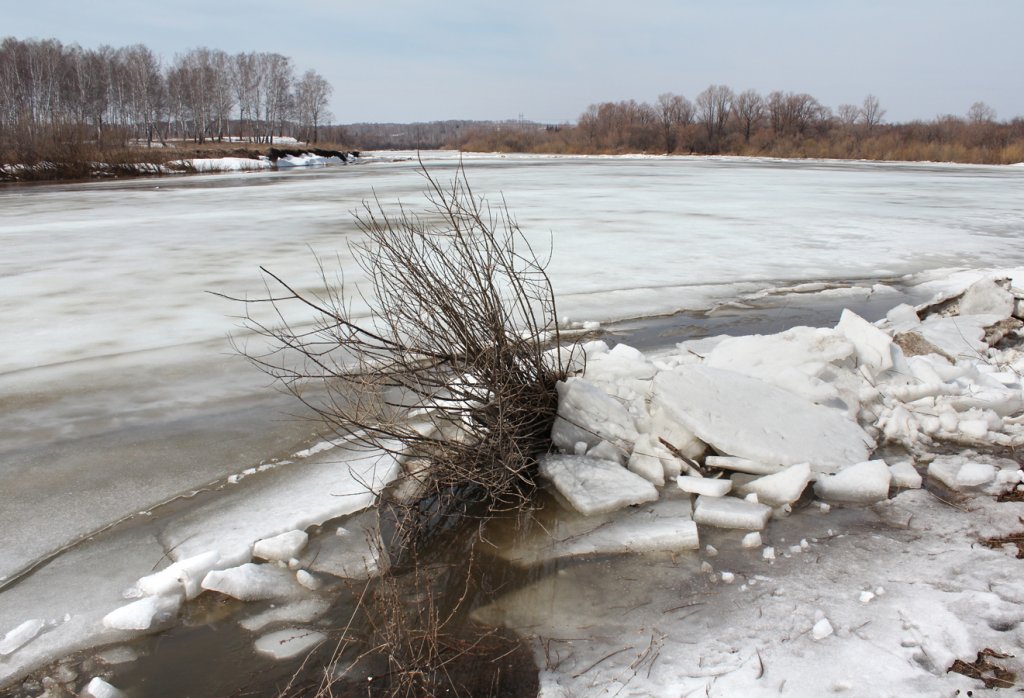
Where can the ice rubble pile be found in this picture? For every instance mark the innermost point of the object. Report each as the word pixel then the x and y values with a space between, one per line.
pixel 745 424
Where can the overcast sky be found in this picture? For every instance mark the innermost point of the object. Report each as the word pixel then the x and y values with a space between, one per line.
pixel 408 60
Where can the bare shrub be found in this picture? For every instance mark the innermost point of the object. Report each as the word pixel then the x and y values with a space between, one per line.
pixel 451 372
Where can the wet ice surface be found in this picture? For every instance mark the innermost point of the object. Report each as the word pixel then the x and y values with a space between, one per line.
pixel 901 585
pixel 118 392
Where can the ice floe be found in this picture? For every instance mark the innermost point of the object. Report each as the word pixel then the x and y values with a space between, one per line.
pixel 595 486
pixel 252 582
pixel 288 643
pixel 16 637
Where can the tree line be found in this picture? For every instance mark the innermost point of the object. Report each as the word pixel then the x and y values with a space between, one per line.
pixel 53 95
pixel 780 124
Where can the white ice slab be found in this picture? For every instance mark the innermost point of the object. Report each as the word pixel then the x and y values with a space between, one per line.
pixel 956 336
pixel 98 688
pixel 587 414
pixel 793 360
pixel 986 297
pixel 746 417
pixel 355 553
pixel 781 488
pixel 874 347
pixel 742 465
pixel 252 582
pixel 595 486
pixel 285 644
pixel 144 614
pixel 665 526
pixel 325 486
pixel 863 483
pixel 16 637
pixel 182 576
pixel 959 473
pixel 283 546
pixel 645 462
pixel 904 475
pixel 729 512
pixel 711 487
pixel 304 611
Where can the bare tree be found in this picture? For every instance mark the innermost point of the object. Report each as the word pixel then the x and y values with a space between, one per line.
pixel 245 84
pixel 451 372
pixel 871 112
pixel 276 77
pixel 981 113
pixel 312 93
pixel 674 112
pixel 750 110
pixel 793 114
pixel 713 107
pixel 848 114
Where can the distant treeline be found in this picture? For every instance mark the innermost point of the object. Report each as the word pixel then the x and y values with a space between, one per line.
pixel 431 135
pixel 58 101
pixel 67 106
pixel 780 124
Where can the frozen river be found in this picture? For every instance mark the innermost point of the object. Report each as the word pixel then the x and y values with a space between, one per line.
pixel 119 389
pixel 118 385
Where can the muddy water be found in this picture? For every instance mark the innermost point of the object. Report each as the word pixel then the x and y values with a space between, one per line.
pixel 768 314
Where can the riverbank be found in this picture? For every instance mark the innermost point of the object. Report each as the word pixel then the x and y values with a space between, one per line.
pixel 90 163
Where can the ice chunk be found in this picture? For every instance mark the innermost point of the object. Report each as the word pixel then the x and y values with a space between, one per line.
pixel 987 297
pixel 904 475
pixel 144 614
pixel 822 629
pixel 874 347
pixel 252 582
pixel 863 483
pixel 98 688
pixel 307 580
pixel 281 547
pixel 749 418
pixel 664 427
pixel 973 428
pixel 751 540
pixel 185 575
pixel 781 488
pixel 285 644
pixel 729 512
pixel 303 611
pixel 20 635
pixel 623 362
pixel 742 465
pixel 793 360
pixel 586 413
pixel 658 527
pixel 325 487
pixel 356 552
pixel 595 486
pixel 902 317
pixel 711 487
pixel 946 469
pixel 959 335
pixel 645 463
pixel 975 475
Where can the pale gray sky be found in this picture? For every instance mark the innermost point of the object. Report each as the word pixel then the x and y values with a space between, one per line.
pixel 409 60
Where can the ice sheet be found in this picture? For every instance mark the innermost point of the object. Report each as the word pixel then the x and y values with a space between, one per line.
pixel 749 418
